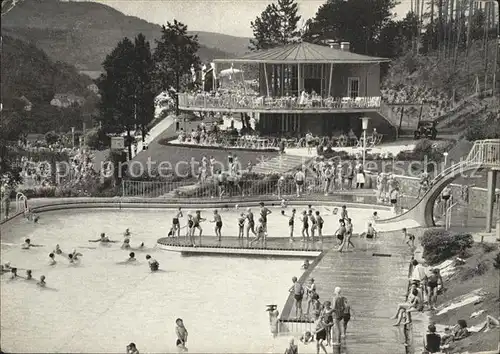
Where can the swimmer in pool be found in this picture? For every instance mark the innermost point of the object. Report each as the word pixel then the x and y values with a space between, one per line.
pixel 371 233
pixel 306 264
pixel 52 260
pixel 6 268
pixel 103 239
pixel 132 349
pixel 126 244
pixel 182 335
pixel 27 244
pixel 58 250
pixel 42 283
pixel 29 274
pixel 131 257
pixel 153 263
pixel 127 233
pixel 283 204
pixel 14 275
pixel 218 224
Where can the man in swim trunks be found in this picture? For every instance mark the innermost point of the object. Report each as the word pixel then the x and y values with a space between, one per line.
pixel 103 239
pixel 298 294
pixel 340 233
pixel 320 332
pixel 314 224
pixel 299 181
pixel 176 227
pixel 348 234
pixel 27 244
pixel 433 281
pixel 305 226
pixel 197 219
pixel 291 223
pixel 264 212
pixel 218 225
pixel 320 222
pixel 371 233
pixel 250 223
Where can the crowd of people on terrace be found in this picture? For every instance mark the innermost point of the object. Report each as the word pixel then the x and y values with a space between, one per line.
pixel 246 98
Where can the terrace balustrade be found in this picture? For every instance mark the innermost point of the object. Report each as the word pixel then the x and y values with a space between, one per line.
pixel 201 100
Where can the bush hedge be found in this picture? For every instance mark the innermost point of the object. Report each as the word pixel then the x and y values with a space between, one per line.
pixel 440 245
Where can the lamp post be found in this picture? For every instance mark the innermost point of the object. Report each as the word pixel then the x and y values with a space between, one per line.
pixel 445 154
pixel 498 41
pixel 73 136
pixel 364 125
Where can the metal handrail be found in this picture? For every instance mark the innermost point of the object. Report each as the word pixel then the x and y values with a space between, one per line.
pixel 21 202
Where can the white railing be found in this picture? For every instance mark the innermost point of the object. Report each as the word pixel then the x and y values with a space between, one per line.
pixel 448 215
pixel 205 100
pixel 21 203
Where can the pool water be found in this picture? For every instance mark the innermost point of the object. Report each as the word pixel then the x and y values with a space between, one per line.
pixel 100 305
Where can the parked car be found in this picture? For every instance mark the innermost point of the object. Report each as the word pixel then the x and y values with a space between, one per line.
pixel 426 129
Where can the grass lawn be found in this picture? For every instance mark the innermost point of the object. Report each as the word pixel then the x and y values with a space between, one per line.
pixel 179 157
pixel 464 281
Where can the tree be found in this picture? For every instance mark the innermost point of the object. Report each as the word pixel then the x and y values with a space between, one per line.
pixel 175 54
pixel 117 89
pixel 143 70
pixel 396 36
pixel 277 25
pixel 356 21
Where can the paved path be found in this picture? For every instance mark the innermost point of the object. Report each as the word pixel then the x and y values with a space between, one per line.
pixel 374 285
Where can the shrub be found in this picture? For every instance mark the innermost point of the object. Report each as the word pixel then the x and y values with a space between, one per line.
pixel 51 138
pixel 496 261
pixel 488 247
pixel 96 139
pixel 440 245
pixel 478 270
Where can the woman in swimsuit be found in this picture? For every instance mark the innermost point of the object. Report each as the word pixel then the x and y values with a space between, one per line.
pixel 305 226
pixel 190 229
pixel 175 223
pixel 327 314
pixel 250 224
pixel 218 225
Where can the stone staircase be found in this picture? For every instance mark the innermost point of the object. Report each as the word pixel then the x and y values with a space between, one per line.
pixel 281 164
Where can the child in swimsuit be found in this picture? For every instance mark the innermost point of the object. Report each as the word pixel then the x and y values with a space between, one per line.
pixel 241 225
pixel 260 232
pixel 218 225
pixel 182 335
pixel 305 226
pixel 343 213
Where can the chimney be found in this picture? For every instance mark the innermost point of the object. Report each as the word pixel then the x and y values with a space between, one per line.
pixel 345 46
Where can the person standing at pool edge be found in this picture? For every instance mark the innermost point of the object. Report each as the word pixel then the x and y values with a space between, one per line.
pixel 218 225
pixel 264 212
pixel 299 181
pixel 250 223
pixel 298 294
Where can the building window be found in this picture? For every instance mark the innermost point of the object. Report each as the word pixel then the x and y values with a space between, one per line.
pixel 290 123
pixel 353 87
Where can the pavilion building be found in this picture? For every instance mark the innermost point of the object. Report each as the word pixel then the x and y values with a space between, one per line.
pixel 304 87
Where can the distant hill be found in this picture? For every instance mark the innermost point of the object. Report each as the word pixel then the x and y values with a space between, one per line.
pixel 226 43
pixel 27 71
pixel 83 33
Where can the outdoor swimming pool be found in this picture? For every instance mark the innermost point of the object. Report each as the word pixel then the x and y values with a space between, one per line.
pixel 101 305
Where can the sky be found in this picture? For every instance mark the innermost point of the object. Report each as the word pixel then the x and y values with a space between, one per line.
pixel 230 17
